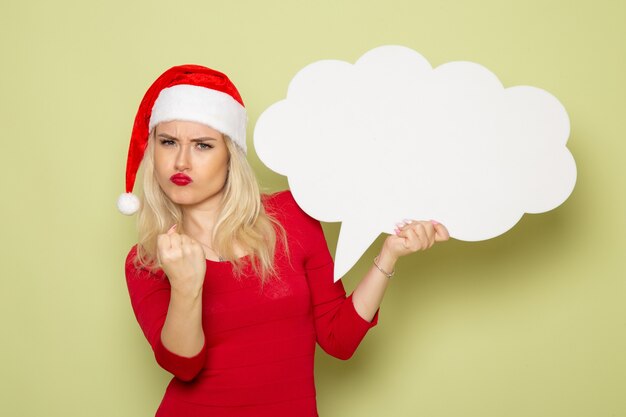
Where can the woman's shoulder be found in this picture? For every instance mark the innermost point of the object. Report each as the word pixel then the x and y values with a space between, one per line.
pixel 283 206
pixel 281 202
pixel 135 269
pixel 278 199
pixel 130 257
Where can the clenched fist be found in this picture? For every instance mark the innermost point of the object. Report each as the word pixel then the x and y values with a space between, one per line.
pixel 183 261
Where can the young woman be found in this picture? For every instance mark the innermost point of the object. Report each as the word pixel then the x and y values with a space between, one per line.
pixel 232 288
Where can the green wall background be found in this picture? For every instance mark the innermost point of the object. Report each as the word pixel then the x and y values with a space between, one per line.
pixel 532 323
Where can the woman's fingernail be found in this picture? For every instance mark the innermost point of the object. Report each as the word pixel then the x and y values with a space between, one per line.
pixel 399 225
pixel 173 227
pixel 434 222
pixel 397 231
pixel 407 221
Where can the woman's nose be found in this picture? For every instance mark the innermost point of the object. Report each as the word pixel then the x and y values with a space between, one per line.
pixel 182 159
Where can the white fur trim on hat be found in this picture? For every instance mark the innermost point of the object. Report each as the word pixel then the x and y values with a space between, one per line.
pixel 192 103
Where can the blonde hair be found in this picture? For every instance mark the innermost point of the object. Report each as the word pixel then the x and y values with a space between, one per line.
pixel 242 219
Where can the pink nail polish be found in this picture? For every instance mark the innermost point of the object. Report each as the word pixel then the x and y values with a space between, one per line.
pixel 434 222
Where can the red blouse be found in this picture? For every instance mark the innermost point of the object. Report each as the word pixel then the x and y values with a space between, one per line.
pixel 259 348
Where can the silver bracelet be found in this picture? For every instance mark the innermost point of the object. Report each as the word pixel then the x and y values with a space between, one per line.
pixel 388 275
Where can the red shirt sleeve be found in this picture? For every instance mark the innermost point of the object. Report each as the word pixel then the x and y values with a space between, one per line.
pixel 338 326
pixel 150 297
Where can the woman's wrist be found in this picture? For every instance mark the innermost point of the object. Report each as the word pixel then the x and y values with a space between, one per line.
pixel 186 295
pixel 384 272
pixel 386 262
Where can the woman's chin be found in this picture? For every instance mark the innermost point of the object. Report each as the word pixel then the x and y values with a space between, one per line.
pixel 187 202
pixel 183 201
pixel 179 198
pixel 187 197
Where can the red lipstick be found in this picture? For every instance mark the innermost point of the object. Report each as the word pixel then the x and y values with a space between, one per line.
pixel 180 179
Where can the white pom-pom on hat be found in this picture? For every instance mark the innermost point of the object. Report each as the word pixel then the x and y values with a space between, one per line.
pixel 128 204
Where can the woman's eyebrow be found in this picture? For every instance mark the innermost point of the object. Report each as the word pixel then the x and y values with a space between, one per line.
pixel 166 136
pixel 201 139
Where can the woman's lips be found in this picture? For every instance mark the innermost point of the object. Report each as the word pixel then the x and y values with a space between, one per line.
pixel 180 179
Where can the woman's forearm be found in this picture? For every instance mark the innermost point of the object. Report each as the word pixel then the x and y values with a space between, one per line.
pixel 182 331
pixel 410 236
pixel 369 293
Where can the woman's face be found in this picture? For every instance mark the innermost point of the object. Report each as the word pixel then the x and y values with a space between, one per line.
pixel 190 162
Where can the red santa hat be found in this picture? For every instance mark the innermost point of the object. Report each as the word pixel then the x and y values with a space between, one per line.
pixel 186 92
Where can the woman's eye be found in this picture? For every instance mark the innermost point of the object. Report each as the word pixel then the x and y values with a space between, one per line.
pixel 167 142
pixel 203 146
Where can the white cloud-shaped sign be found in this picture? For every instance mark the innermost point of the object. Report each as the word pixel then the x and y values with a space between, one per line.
pixel 389 137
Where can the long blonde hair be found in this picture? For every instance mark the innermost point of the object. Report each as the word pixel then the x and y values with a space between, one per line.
pixel 242 218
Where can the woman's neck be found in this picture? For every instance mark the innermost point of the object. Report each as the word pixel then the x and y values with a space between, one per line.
pixel 199 222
